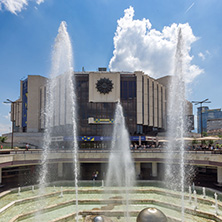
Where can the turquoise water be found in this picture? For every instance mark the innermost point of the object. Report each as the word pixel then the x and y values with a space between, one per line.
pixel 95 195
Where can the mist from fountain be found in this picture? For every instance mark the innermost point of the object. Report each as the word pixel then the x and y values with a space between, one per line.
pixel 174 176
pixel 121 171
pixel 60 108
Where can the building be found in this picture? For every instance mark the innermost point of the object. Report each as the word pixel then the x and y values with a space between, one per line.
pixel 143 98
pixel 214 126
pixel 206 115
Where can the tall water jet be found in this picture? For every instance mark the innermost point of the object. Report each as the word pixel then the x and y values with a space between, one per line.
pixel 174 176
pixel 121 171
pixel 60 108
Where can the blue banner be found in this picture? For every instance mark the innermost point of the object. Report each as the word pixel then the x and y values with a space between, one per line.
pixel 100 138
pixel 24 102
pixel 136 138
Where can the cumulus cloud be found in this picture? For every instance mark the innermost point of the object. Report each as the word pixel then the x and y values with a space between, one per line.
pixel 15 6
pixel 138 46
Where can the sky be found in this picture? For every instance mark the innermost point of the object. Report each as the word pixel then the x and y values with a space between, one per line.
pixel 126 35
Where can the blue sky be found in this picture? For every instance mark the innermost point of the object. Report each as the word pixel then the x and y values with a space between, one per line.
pixel 27 35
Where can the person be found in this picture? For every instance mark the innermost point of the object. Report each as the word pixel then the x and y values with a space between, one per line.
pixel 96 174
pixel 131 146
pixel 93 175
pixel 1 147
pixel 27 147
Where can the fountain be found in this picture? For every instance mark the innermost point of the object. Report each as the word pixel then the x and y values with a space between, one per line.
pixel 204 192
pixel 190 192
pixel 92 203
pixel 61 192
pixel 175 173
pixel 216 204
pixel 195 199
pixel 87 201
pixel 19 191
pixel 121 171
pixel 57 115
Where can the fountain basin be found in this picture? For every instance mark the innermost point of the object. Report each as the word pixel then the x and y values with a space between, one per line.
pixel 93 201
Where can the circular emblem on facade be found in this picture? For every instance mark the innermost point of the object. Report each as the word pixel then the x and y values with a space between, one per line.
pixel 104 85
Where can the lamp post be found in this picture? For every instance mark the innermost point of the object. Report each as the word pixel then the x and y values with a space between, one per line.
pixel 12 117
pixel 201 103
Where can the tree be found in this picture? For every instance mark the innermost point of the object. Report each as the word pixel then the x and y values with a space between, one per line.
pixel 3 139
pixel 210 142
pixel 194 141
pixel 204 134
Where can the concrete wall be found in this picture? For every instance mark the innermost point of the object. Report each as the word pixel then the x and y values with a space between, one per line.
pixel 20 139
pixel 33 112
pixel 95 95
pixel 199 158
pixel 139 96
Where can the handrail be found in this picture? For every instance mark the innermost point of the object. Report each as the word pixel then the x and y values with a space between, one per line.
pixel 153 150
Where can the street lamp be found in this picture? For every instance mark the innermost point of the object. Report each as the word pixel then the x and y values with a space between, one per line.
pixel 201 102
pixel 12 117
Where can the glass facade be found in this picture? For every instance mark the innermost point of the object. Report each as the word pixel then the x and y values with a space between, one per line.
pixel 128 101
pixel 207 114
pixel 86 109
pixel 102 110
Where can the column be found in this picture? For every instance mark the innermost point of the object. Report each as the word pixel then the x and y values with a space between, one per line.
pixel 0 175
pixel 150 97
pixel 155 124
pixel 154 169
pixel 219 175
pixel 138 169
pixel 60 169
pixel 164 108
pixel 139 96
pixel 140 140
pixel 145 100
pixel 160 102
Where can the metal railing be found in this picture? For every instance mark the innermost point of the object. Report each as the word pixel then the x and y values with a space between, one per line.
pixel 154 150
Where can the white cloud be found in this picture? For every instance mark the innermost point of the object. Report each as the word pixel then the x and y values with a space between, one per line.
pixel 8 117
pixel 39 1
pixel 202 56
pixel 137 46
pixel 15 6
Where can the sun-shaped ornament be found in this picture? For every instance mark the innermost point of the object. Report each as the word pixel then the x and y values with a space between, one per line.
pixel 104 85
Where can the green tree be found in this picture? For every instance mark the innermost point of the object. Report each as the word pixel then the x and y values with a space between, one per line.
pixel 204 134
pixel 194 141
pixel 210 142
pixel 3 139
